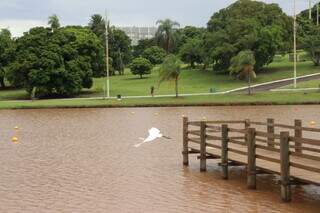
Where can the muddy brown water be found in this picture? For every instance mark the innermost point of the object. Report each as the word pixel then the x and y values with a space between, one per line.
pixel 83 160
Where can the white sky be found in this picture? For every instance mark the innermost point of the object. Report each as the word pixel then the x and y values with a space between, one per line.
pixel 20 15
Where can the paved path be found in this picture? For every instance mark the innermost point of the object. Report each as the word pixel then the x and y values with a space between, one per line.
pixel 276 84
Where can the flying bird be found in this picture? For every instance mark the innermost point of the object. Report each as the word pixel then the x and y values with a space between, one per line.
pixel 154 134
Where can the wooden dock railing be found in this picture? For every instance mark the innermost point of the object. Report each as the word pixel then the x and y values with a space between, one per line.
pixel 263 147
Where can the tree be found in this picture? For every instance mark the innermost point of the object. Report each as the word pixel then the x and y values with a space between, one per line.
pixel 98 26
pixel 50 63
pixel 242 65
pixel 154 54
pixel 191 52
pixel 88 44
pixel 165 34
pixel 142 45
pixel 311 43
pixel 54 22
pixel 170 70
pixel 141 66
pixel 260 27
pixel 120 46
pixel 6 54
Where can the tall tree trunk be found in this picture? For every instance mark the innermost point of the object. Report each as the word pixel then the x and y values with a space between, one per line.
pixel 2 84
pixel 177 93
pixel 168 44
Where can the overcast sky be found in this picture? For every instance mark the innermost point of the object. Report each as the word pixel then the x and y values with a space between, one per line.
pixel 20 15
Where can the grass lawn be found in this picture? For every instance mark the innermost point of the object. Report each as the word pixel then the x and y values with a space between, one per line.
pixel 194 81
pixel 260 98
pixel 191 81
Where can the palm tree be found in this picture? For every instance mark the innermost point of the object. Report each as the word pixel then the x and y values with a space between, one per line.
pixel 165 33
pixel 169 70
pixel 98 27
pixel 243 66
pixel 54 22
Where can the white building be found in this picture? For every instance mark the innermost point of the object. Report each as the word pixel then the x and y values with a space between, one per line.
pixel 138 33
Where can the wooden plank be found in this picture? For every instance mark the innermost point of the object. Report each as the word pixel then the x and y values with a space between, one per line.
pixel 194 132
pixel 267 135
pixel 213 138
pixel 237 130
pixel 305 167
pixel 262 157
pixel 237 142
pixel 305 141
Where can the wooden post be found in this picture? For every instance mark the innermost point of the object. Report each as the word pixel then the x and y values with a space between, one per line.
pixel 298 134
pixel 252 174
pixel 246 126
pixel 285 167
pixel 224 151
pixel 203 151
pixel 185 152
pixel 270 130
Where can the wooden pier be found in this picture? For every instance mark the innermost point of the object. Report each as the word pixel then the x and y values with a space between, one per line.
pixel 263 147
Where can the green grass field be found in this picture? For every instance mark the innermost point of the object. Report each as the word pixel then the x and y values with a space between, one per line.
pixel 194 81
pixel 191 81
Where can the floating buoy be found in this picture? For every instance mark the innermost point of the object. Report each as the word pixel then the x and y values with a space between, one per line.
pixel 156 113
pixel 204 118
pixel 14 140
pixel 312 123
pixel 16 127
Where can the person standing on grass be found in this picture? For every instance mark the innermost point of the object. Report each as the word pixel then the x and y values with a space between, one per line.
pixel 152 91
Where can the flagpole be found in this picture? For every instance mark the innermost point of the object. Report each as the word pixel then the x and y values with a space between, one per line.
pixel 107 57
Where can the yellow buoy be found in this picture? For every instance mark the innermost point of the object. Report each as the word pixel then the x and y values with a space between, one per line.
pixel 14 140
pixel 204 118
pixel 16 127
pixel 312 123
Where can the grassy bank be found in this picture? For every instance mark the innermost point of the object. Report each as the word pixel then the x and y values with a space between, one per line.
pixel 231 99
pixel 191 81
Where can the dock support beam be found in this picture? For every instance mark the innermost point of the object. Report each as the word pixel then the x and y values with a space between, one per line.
pixel 298 134
pixel 224 152
pixel 270 130
pixel 285 167
pixel 185 151
pixel 252 173
pixel 203 145
pixel 246 126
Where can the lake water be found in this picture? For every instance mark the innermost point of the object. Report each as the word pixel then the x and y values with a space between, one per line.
pixel 84 160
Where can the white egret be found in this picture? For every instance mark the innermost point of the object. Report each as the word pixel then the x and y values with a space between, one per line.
pixel 154 134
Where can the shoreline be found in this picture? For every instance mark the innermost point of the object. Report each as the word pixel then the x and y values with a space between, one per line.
pixel 111 106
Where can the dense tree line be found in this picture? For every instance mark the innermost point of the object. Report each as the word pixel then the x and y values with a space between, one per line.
pixel 238 40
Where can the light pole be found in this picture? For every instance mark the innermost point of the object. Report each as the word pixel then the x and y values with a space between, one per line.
pixel 295 43
pixel 107 83
pixel 310 10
